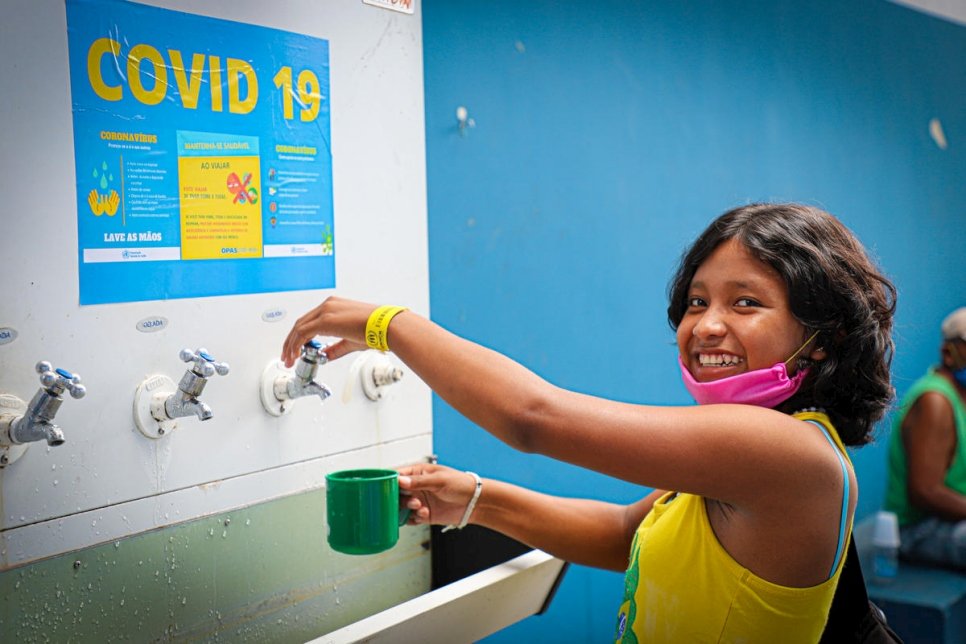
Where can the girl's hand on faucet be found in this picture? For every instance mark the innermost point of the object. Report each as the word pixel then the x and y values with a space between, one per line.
pixel 336 316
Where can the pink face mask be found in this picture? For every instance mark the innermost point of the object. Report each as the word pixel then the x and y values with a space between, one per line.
pixel 761 387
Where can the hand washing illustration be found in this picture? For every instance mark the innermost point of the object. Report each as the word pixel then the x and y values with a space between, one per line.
pixel 106 202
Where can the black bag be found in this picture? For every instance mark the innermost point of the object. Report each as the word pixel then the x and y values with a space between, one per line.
pixel 853 617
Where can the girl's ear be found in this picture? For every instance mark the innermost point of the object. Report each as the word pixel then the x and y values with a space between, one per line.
pixel 818 354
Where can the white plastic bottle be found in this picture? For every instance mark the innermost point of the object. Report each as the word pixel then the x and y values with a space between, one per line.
pixel 885 548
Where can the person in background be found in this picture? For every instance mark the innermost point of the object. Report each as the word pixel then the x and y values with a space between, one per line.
pixel 927 457
pixel 783 330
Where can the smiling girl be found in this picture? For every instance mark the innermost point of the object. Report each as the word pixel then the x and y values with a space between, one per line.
pixel 783 330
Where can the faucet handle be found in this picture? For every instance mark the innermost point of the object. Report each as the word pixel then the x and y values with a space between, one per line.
pixel 280 388
pixel 204 364
pixel 313 355
pixel 55 381
pixel 314 351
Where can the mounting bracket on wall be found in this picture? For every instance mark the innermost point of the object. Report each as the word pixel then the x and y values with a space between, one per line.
pixel 377 372
pixel 274 372
pixel 149 406
pixel 463 120
pixel 11 408
pixel 279 388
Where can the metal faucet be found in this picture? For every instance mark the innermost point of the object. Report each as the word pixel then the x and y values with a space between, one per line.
pixel 36 423
pixel 184 402
pixel 302 383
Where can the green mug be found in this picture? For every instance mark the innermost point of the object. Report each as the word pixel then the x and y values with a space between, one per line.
pixel 362 508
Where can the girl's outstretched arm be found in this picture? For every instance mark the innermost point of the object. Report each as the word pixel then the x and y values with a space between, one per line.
pixel 592 533
pixel 739 454
pixel 490 389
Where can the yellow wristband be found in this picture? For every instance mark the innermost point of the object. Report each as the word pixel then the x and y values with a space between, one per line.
pixel 377 328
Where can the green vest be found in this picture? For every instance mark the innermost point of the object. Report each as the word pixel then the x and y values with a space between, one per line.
pixel 897 499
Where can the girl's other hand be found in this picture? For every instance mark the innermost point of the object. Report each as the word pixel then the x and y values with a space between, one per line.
pixel 436 494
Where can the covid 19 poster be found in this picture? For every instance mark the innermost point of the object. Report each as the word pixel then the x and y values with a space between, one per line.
pixel 202 151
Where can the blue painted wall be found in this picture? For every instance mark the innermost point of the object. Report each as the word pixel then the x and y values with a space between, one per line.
pixel 608 134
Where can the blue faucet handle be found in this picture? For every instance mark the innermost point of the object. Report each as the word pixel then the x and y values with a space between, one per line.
pixel 313 352
pixel 204 364
pixel 56 381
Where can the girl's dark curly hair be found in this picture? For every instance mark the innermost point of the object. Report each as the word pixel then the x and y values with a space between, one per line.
pixel 833 288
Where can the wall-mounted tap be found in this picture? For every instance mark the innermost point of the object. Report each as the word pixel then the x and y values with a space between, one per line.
pixel 21 424
pixel 302 383
pixel 280 388
pixel 157 404
pixel 377 373
pixel 184 402
pixel 36 423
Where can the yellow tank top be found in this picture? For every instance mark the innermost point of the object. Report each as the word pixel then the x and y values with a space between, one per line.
pixel 683 586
